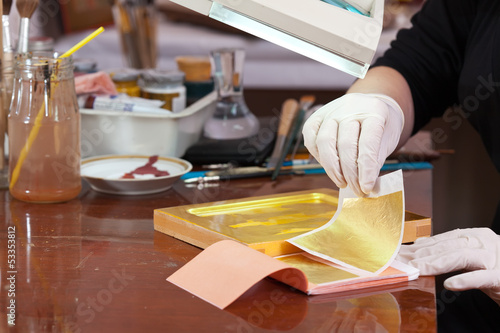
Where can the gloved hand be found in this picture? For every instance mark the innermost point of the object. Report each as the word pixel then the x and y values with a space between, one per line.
pixel 476 250
pixel 352 136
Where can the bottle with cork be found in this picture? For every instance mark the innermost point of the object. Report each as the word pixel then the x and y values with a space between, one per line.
pixel 198 79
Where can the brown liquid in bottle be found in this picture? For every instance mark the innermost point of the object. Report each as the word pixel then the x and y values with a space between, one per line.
pixel 50 170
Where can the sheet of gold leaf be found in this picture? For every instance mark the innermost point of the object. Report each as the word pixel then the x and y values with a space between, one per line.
pixel 316 271
pixel 365 234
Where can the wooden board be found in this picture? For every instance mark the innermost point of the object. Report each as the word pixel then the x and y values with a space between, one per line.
pixel 265 222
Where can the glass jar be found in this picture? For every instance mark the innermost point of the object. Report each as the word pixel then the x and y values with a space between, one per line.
pixel 5 99
pixel 165 86
pixel 127 83
pixel 44 130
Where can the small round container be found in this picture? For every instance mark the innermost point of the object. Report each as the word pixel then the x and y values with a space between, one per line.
pixel 41 43
pixel 166 86
pixel 85 66
pixel 197 69
pixel 126 82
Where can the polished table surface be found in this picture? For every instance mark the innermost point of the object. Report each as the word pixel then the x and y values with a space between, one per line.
pixel 95 264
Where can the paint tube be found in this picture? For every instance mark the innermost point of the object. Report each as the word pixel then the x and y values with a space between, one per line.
pixel 121 103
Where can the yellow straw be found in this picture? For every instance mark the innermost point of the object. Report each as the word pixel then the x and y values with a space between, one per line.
pixel 81 43
pixel 38 120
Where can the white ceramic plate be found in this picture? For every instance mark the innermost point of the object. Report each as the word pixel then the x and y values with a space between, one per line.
pixel 104 173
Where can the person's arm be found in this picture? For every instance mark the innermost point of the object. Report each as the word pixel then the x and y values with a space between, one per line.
pixel 387 81
pixel 415 80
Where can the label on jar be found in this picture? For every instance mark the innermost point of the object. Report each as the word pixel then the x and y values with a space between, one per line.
pixel 175 101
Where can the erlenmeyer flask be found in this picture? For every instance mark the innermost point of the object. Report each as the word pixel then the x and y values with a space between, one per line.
pixel 232 119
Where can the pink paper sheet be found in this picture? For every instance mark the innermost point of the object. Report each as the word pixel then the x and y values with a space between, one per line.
pixel 95 83
pixel 209 274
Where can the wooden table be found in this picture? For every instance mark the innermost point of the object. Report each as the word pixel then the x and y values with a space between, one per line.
pixel 95 264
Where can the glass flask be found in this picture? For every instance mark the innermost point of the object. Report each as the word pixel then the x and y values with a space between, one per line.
pixel 44 130
pixel 232 119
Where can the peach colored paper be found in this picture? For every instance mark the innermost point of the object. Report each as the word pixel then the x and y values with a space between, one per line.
pixel 95 83
pixel 225 270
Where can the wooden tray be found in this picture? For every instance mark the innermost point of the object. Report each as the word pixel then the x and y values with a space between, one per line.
pixel 265 222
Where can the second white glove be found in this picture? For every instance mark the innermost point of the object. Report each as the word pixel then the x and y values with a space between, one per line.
pixel 352 136
pixel 476 250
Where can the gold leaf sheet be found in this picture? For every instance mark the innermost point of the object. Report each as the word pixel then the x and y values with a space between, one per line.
pixel 365 233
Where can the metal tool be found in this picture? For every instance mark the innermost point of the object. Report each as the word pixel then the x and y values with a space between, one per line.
pixel 7 45
pixel 26 8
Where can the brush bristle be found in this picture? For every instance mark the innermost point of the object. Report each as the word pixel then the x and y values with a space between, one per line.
pixel 26 7
pixel 6 4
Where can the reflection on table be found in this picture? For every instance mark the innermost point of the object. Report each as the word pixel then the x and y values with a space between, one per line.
pixel 95 264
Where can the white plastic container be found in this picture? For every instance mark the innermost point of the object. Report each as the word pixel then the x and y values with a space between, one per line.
pixel 120 132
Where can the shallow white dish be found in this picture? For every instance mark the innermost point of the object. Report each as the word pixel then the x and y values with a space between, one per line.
pixel 104 173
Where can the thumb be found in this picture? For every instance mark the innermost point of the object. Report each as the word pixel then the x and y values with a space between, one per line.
pixel 480 279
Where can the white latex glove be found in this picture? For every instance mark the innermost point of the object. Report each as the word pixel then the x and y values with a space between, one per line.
pixel 352 136
pixel 476 250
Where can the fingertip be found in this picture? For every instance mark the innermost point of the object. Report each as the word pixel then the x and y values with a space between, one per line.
pixel 367 187
pixel 356 189
pixel 336 177
pixel 451 284
pixel 368 174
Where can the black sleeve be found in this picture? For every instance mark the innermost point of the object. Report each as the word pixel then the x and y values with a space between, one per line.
pixel 430 55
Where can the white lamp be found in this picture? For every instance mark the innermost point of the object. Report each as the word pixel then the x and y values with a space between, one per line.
pixel 319 29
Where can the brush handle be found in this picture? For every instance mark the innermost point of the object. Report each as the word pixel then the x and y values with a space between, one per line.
pixel 7 45
pixel 294 130
pixel 22 43
pixel 288 112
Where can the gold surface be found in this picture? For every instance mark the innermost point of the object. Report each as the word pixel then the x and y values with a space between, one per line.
pixel 260 221
pixel 264 222
pixel 315 271
pixel 365 234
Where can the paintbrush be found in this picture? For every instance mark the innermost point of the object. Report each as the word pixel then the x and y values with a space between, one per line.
pixel 305 103
pixel 289 110
pixel 128 32
pixel 26 8
pixel 7 45
pixel 294 131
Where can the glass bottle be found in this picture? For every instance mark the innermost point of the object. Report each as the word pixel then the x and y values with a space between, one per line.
pixel 232 119
pixel 7 80
pixel 44 130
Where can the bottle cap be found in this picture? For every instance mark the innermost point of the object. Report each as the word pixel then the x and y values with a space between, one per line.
pixel 124 76
pixel 158 78
pixel 41 43
pixel 197 69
